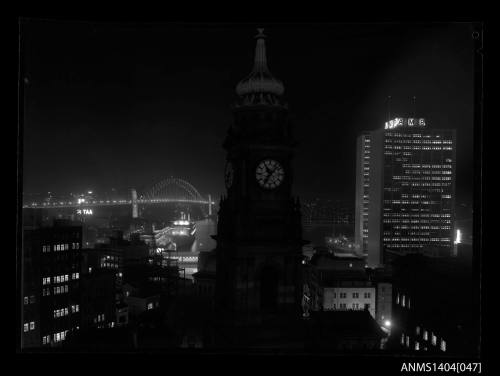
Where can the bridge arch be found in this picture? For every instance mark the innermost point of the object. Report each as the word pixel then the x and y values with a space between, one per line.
pixel 176 190
pixel 173 188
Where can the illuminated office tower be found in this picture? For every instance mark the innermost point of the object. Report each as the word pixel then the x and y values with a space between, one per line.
pixel 405 191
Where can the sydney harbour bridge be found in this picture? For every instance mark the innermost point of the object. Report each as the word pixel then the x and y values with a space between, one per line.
pixel 170 190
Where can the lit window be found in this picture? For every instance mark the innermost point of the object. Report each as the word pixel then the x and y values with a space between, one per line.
pixel 150 305
pixel 26 327
pixel 32 325
pixel 25 300
pixel 443 345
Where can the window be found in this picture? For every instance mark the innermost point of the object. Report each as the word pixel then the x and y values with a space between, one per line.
pixel 32 299
pixel 443 345
pixel 32 325
pixel 25 300
pixel 367 295
pixel 355 295
pixel 425 336
pixel 434 339
pixel 26 327
pixel 45 340
pixel 60 312
pixel 367 306
pixel 150 305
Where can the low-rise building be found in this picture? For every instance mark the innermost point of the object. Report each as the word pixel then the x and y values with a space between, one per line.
pixel 435 306
pixel 344 331
pixel 142 301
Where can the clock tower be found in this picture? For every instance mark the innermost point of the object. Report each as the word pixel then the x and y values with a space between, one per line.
pixel 259 234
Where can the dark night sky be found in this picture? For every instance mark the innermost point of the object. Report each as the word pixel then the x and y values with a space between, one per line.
pixel 125 105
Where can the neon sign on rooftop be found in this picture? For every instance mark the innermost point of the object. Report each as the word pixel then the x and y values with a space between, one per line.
pixel 405 122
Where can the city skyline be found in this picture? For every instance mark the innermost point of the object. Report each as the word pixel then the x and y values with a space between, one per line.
pixel 314 197
pixel 178 109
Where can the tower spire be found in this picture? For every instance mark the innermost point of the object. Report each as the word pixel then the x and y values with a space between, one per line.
pixel 260 85
pixel 260 59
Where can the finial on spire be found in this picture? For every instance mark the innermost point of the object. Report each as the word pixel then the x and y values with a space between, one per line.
pixel 261 33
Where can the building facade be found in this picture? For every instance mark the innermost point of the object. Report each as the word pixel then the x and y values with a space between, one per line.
pixel 50 284
pixel 362 186
pixel 405 191
pixel 435 311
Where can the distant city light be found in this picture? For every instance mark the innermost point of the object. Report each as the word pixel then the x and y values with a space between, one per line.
pixel 458 238
pixel 90 192
pixel 84 212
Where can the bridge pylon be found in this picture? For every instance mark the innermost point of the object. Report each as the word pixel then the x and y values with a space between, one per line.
pixel 135 207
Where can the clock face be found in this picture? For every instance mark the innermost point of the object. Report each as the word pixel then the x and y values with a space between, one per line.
pixel 269 174
pixel 228 174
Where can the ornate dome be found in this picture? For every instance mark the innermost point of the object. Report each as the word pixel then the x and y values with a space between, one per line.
pixel 260 85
